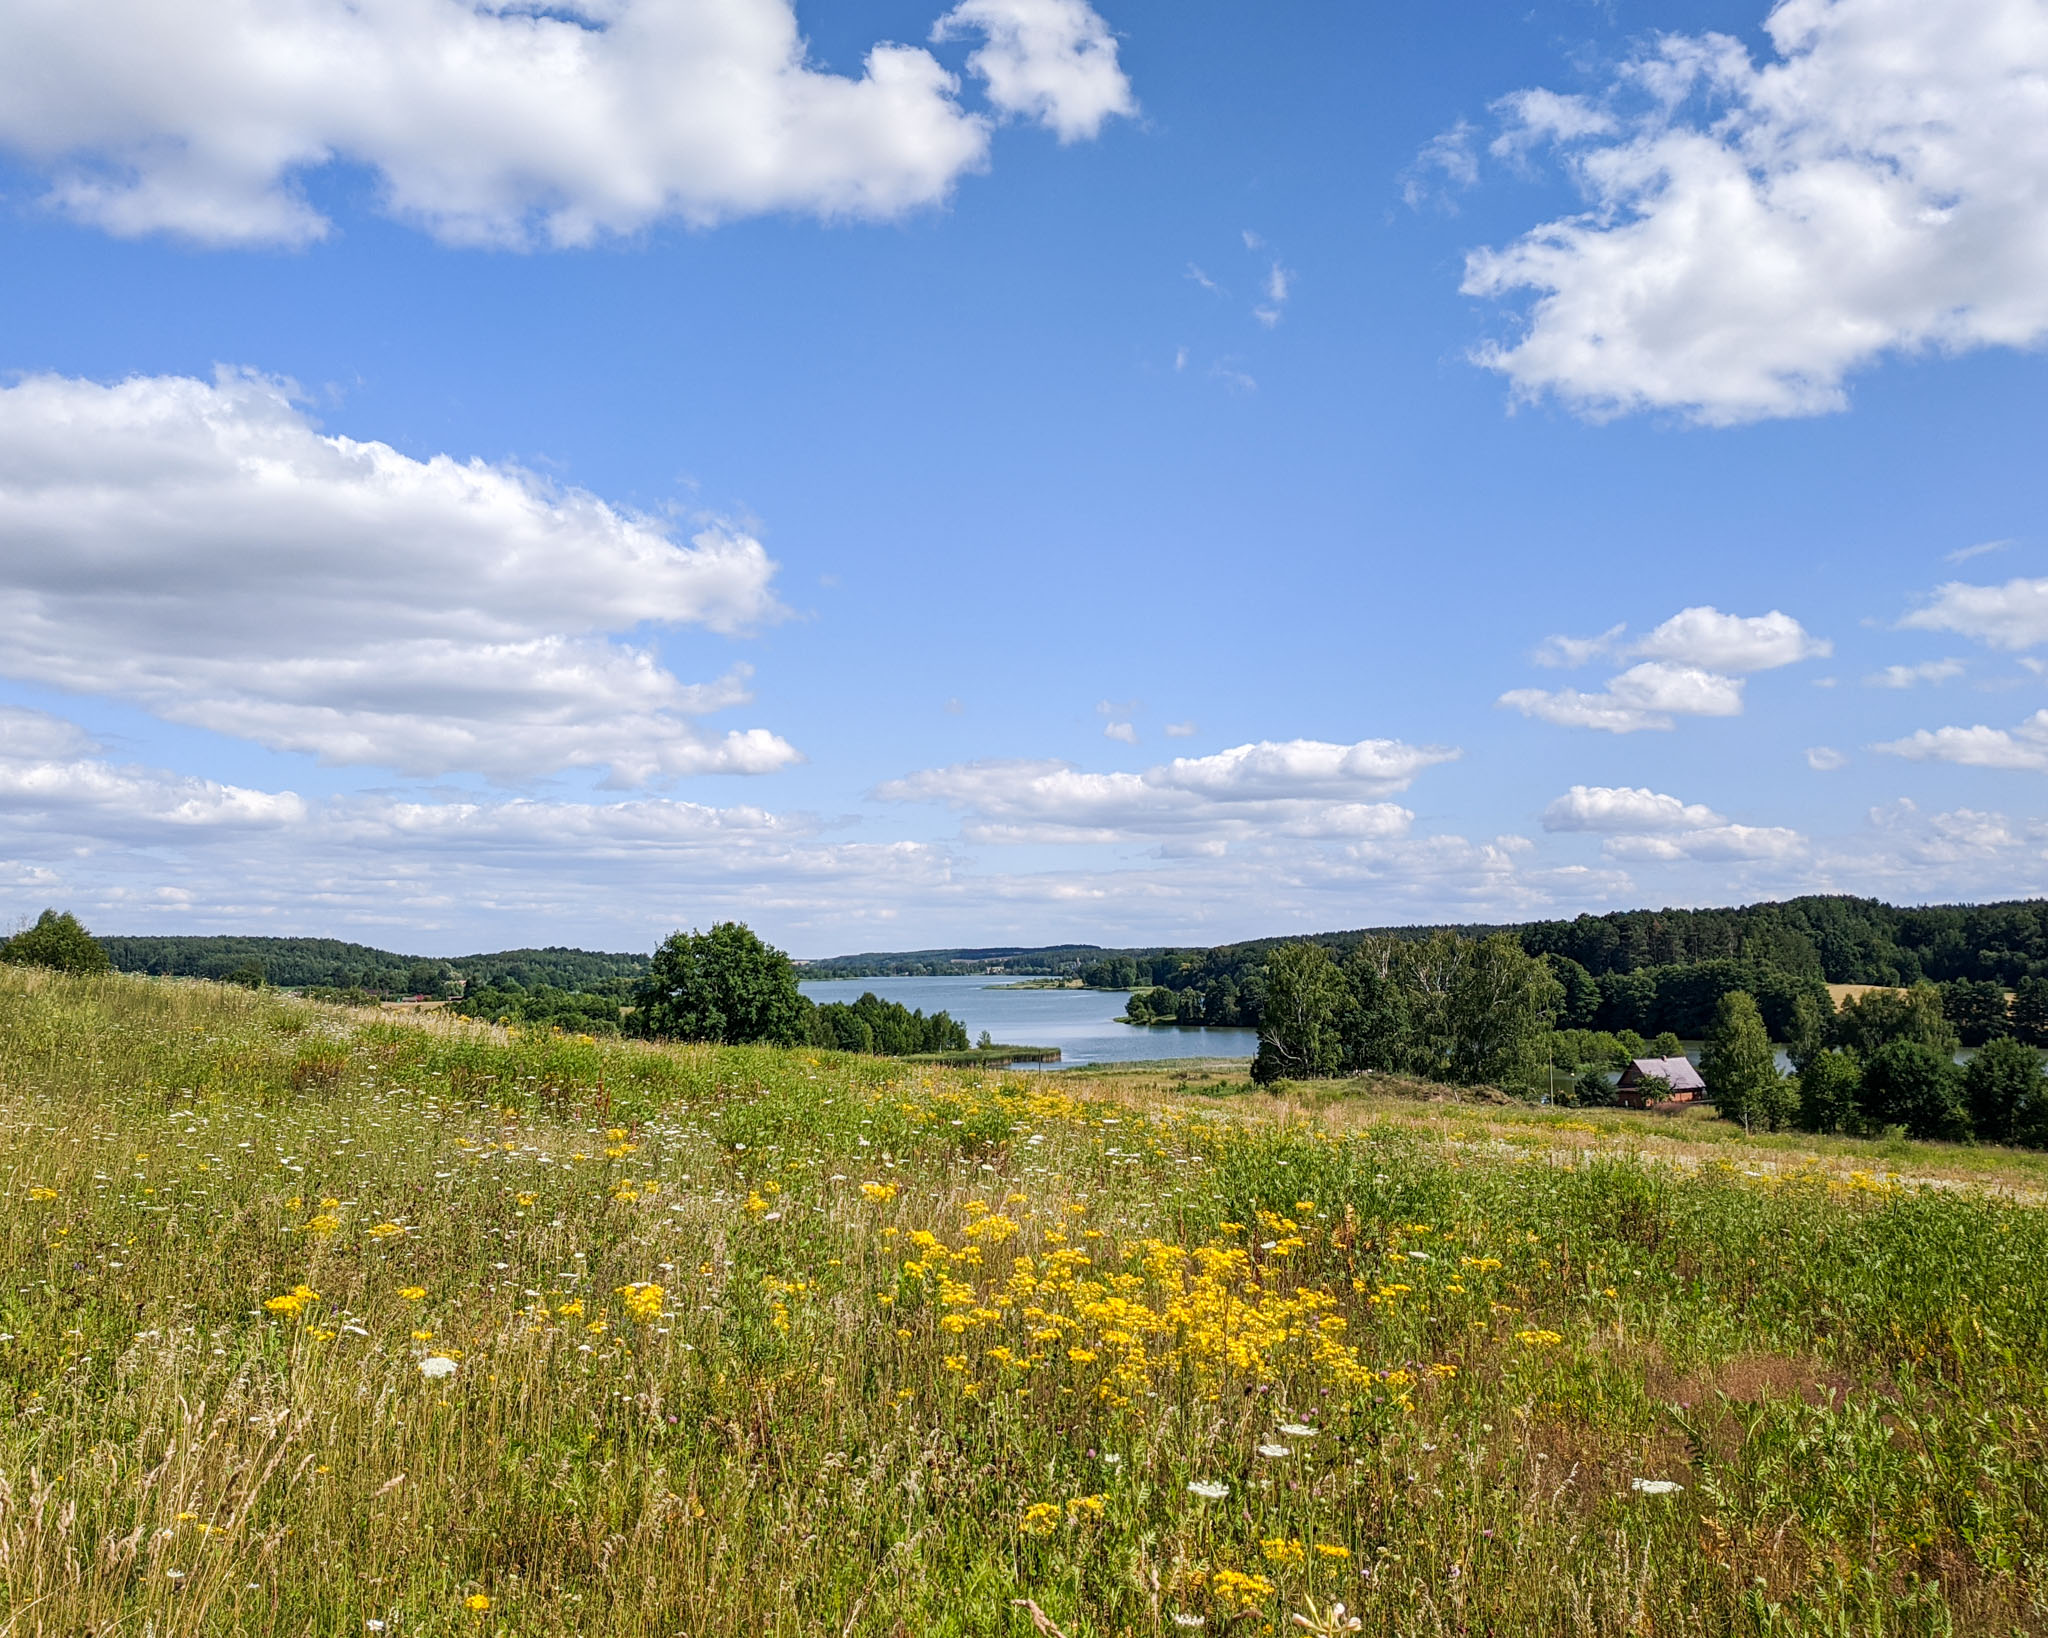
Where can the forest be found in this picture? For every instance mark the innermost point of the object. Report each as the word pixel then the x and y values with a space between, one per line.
pixel 333 964
pixel 1656 971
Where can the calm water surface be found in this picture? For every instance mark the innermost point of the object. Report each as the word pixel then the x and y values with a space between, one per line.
pixel 1081 1023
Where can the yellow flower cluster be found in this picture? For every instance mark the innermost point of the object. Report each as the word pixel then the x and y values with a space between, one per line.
pixel 643 1301
pixel 1235 1590
pixel 294 1302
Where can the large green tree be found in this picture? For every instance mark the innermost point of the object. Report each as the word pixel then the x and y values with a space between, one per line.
pixel 1911 1084
pixel 2007 1093
pixel 1739 1067
pixel 1830 1085
pixel 1868 1022
pixel 59 941
pixel 1301 1023
pixel 724 985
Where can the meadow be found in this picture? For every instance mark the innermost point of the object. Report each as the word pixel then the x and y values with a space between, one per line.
pixel 319 1322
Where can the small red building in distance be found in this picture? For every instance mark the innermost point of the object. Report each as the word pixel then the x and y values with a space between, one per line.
pixel 1677 1073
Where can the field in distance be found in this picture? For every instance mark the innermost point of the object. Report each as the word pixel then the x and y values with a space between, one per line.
pixel 320 1321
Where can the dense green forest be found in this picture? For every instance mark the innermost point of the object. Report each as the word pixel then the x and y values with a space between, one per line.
pixel 329 963
pixel 1652 971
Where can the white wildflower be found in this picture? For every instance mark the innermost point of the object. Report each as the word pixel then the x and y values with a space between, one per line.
pixel 435 1366
pixel 1275 1451
pixel 1654 1487
pixel 1208 1489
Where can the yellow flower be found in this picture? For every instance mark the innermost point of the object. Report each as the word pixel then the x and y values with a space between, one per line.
pixel 1231 1587
pixel 328 1202
pixel 573 1308
pixel 423 1336
pixel 1282 1550
pixel 325 1223
pixel 294 1302
pixel 478 1602
pixel 384 1231
pixel 1089 1505
pixel 880 1193
pixel 40 1193
pixel 1538 1339
pixel 528 1199
pixel 412 1293
pixel 1040 1519
pixel 643 1301
pixel 1329 1549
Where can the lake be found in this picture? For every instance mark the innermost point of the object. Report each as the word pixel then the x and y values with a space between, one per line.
pixel 1081 1023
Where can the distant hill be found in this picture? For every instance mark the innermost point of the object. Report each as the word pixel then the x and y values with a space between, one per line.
pixel 1041 961
pixel 297 963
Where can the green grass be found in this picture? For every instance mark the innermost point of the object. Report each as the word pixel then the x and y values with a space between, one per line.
pixel 926 1343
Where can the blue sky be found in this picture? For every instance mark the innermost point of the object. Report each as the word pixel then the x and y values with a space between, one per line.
pixel 1115 473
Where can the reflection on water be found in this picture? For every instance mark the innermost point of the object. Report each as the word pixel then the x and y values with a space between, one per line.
pixel 1081 1023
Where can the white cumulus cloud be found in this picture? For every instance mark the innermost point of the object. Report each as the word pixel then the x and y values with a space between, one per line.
pixel 2024 747
pixel 201 549
pixel 1641 824
pixel 2012 616
pixel 1684 671
pixel 1755 232
pixel 1049 60
pixel 1714 641
pixel 506 123
pixel 1625 808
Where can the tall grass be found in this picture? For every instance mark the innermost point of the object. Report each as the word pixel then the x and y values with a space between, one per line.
pixel 313 1323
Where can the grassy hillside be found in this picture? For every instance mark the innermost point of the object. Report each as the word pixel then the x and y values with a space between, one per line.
pixel 317 1321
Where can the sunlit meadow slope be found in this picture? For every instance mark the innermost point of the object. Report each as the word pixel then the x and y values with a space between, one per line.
pixel 313 1323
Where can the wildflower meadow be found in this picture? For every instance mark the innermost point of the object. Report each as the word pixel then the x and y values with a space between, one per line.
pixel 316 1321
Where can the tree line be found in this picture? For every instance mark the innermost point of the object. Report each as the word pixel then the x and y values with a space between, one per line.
pixel 1487 1012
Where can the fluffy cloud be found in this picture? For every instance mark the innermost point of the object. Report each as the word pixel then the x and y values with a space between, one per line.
pixel 500 123
pixel 1049 60
pixel 2012 616
pixel 1650 695
pixel 1304 789
pixel 1707 638
pixel 1623 808
pixel 1643 824
pixel 1825 759
pixel 1755 233
pixel 51 780
pixel 201 549
pixel 2024 748
pixel 1684 672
